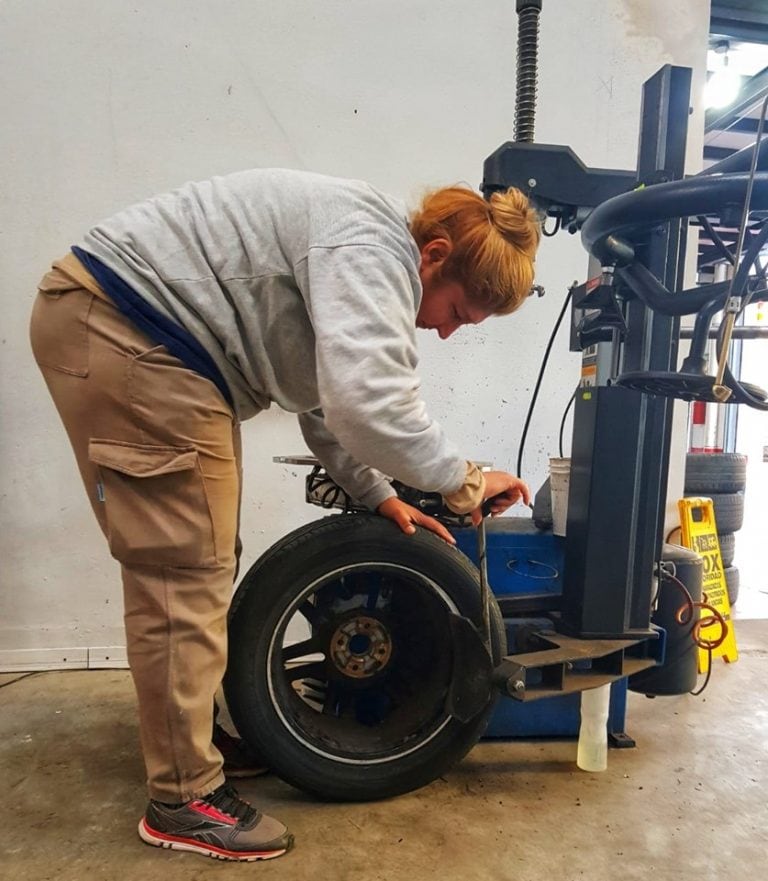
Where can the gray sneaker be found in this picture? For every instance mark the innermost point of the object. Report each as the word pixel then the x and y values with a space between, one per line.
pixel 220 825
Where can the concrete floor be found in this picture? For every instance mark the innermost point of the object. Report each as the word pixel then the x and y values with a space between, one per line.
pixel 690 802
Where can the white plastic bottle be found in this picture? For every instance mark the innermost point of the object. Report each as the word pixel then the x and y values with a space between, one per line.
pixel 592 752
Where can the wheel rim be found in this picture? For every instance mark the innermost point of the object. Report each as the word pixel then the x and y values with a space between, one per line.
pixel 366 681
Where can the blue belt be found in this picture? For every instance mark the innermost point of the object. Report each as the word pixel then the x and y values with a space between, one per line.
pixel 154 324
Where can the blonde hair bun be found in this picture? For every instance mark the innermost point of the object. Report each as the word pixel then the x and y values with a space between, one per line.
pixel 513 217
pixel 493 243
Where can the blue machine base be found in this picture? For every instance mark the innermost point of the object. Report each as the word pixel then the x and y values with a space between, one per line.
pixel 524 560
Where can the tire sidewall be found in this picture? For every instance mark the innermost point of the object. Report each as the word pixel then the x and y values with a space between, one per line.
pixel 274 583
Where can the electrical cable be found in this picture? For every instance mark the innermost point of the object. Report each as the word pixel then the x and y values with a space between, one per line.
pixel 707 677
pixel 562 422
pixel 684 615
pixel 740 283
pixel 24 676
pixel 748 199
pixel 538 382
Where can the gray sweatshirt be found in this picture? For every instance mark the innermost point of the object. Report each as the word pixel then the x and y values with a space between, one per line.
pixel 304 291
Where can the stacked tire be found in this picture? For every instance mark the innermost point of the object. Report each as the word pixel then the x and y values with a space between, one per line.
pixel 721 477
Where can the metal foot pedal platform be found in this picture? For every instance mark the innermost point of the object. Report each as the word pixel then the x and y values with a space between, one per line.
pixel 562 664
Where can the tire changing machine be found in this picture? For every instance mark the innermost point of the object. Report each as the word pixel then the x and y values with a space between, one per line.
pixel 601 611
pixel 626 323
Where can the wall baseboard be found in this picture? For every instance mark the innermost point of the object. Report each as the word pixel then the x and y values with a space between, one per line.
pixel 107 657
pixel 82 658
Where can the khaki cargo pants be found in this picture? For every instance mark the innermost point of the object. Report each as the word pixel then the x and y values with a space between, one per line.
pixel 158 449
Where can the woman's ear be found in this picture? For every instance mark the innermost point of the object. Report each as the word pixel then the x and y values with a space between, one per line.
pixel 435 253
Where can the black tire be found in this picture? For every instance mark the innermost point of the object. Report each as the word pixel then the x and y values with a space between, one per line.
pixel 729 511
pixel 727 542
pixel 332 732
pixel 732 580
pixel 707 473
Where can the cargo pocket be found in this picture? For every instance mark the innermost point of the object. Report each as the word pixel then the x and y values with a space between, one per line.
pixel 156 508
pixel 59 324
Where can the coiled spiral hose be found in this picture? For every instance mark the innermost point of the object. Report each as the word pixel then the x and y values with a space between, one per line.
pixel 527 68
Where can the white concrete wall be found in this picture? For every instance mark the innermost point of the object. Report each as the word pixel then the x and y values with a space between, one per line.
pixel 104 103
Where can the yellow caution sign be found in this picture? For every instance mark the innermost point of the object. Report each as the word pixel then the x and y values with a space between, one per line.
pixel 699 533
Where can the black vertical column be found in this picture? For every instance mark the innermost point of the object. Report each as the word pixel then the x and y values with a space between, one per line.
pixel 661 156
pixel 620 451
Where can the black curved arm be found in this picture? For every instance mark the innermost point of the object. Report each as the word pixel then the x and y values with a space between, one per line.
pixel 740 161
pixel 646 287
pixel 696 359
pixel 611 229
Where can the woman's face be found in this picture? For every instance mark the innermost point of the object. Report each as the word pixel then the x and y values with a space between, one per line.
pixel 444 305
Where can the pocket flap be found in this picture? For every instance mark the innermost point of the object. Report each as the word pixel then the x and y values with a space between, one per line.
pixel 141 460
pixel 56 282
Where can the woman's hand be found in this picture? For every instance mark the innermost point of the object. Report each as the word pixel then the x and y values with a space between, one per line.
pixel 408 518
pixel 504 490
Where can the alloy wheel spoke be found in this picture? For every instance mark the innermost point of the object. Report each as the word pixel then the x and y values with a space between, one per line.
pixel 310 670
pixel 310 646
pixel 309 611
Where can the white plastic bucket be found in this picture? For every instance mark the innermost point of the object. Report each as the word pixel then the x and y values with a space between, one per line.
pixel 559 483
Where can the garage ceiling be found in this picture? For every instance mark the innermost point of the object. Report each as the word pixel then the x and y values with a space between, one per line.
pixel 740 20
pixel 743 24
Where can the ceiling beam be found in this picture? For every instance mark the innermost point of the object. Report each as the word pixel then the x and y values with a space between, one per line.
pixel 745 20
pixel 717 152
